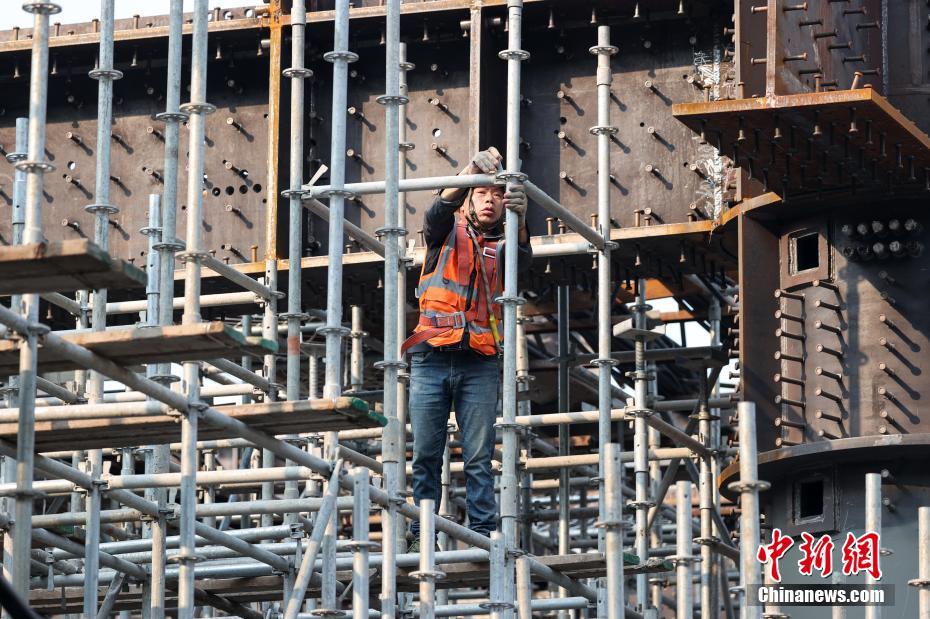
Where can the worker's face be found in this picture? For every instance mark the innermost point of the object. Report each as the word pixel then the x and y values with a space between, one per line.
pixel 489 204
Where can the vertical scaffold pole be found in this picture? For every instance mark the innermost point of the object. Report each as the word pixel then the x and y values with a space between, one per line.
pixel 360 524
pixel 334 332
pixel 603 130
pixel 612 526
pixel 35 168
pixel 683 587
pixel 394 279
pixel 514 55
pixel 922 582
pixel 748 486
pixel 873 524
pixel 297 73
pixel 104 73
pixel 197 109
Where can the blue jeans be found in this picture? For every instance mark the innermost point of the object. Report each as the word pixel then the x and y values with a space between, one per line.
pixel 441 380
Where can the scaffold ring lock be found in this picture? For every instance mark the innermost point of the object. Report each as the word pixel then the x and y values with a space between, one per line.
pixel 608 362
pixel 640 413
pixel 921 583
pixel 108 209
pixel 392 99
pixel 510 300
pixel 405 146
pixel 609 524
pixel 192 256
pixel 150 230
pixel 42 8
pixel 640 504
pixel 749 486
pixel 105 74
pixel 14 157
pixel 517 177
pixel 335 330
pixel 383 365
pixel 172 117
pixel 198 107
pixel 297 73
pixel 603 129
pixel 34 166
pixel 345 56
pixel 513 54
pixel 428 575
pixel 294 193
pixel 408 66
pixel 389 230
pixel 356 545
pixel 285 316
pixel 604 49
pixel 172 246
pixel 186 558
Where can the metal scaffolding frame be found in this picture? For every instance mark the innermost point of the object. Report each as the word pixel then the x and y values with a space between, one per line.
pixel 324 478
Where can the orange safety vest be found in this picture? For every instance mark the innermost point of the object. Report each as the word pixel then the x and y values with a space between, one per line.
pixel 445 292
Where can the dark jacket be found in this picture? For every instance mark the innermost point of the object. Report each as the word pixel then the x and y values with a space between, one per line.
pixel 440 218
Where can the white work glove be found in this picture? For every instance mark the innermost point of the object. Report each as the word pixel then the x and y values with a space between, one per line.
pixel 515 200
pixel 485 162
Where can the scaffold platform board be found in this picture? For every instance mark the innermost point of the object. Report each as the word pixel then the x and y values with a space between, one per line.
pixel 323 415
pixel 64 266
pixel 144 344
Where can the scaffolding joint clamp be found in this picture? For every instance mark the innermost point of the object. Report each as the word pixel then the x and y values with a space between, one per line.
pixel 107 209
pixel 392 100
pixel 510 300
pixel 105 74
pixel 34 166
pixel 603 130
pixel 431 575
pixel 343 55
pixel 749 486
pixel 920 583
pixel 172 117
pixel 201 107
pixel 513 54
pixel 599 362
pixel 297 73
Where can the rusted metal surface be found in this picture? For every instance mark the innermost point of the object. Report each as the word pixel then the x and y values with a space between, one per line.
pixel 808 143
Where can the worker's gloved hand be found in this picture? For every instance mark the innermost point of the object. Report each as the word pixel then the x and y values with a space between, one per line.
pixel 485 162
pixel 515 200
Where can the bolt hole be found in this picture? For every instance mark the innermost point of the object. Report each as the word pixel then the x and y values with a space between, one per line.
pixel 216 191
pixel 642 124
pixel 230 190
pixel 243 189
pixel 257 188
pixel 71 165
pixel 437 133
pixel 562 120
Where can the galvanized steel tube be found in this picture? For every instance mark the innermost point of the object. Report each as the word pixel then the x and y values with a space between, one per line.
pixel 683 585
pixel 748 487
pixel 514 55
pixel 197 109
pixel 35 167
pixel 612 525
pixel 297 72
pixel 873 524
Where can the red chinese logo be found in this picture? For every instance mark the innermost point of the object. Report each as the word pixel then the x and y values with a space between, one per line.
pixel 816 555
pixel 775 551
pixel 860 554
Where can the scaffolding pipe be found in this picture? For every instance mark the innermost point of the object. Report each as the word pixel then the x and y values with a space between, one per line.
pixel 297 73
pixel 34 167
pixel 360 544
pixel 612 526
pixel 427 574
pixel 748 487
pixel 366 240
pixel 683 559
pixel 923 563
pixel 873 524
pixel 197 109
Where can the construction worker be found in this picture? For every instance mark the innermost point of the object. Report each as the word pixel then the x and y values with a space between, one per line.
pixel 456 345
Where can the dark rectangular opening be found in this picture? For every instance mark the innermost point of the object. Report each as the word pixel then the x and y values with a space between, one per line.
pixel 806 252
pixel 810 499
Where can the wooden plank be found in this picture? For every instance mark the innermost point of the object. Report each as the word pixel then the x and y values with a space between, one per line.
pixel 321 415
pixel 144 344
pixel 64 266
